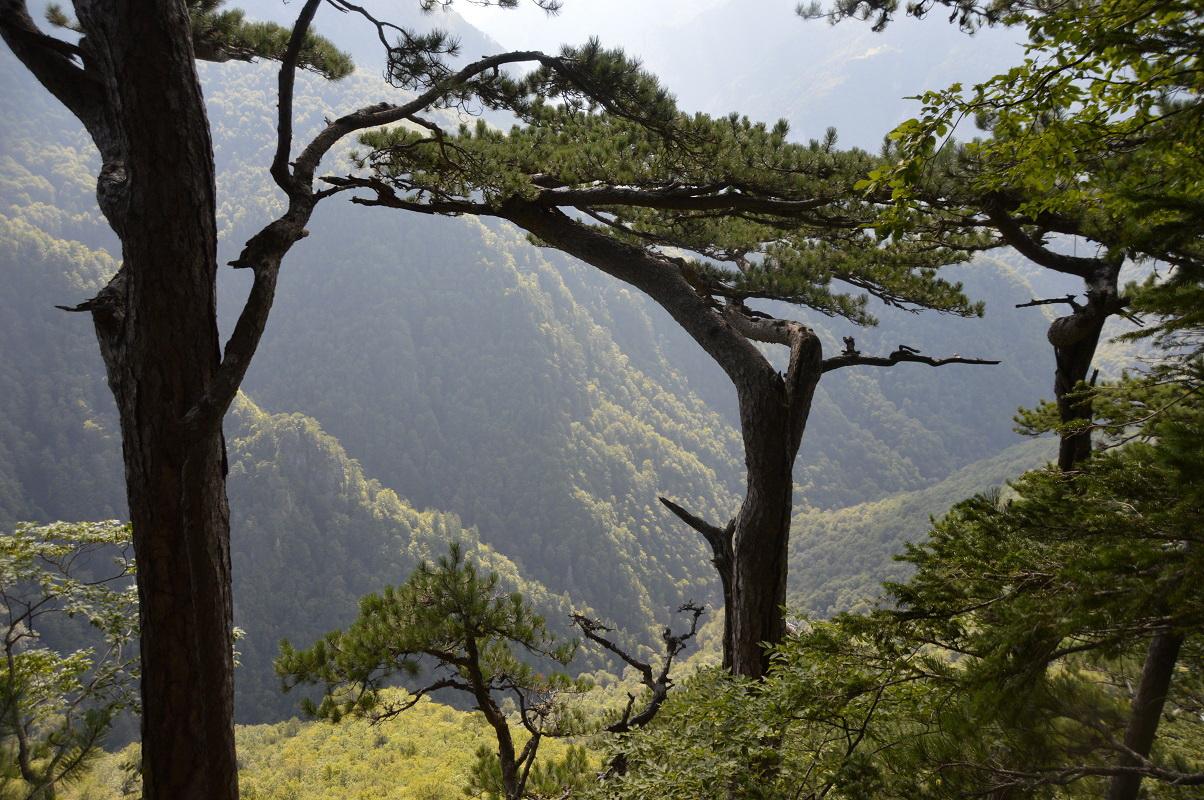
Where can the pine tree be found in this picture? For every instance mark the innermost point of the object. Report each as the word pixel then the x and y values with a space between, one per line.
pixel 704 216
pixel 1096 136
pixel 460 632
pixel 131 80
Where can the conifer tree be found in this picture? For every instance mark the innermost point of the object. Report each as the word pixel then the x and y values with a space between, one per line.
pixel 704 216
pixel 1008 666
pixel 1095 136
pixel 127 71
pixel 1004 667
pixel 457 629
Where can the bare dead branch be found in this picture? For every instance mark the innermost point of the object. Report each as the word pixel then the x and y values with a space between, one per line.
pixel 1068 299
pixel 394 709
pixel 657 683
pixel 903 354
pixel 712 533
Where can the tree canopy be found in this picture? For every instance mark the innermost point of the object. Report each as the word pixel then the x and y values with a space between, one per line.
pixel 469 637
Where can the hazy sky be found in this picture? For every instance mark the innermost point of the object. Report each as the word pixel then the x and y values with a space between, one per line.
pixel 759 57
pixel 616 22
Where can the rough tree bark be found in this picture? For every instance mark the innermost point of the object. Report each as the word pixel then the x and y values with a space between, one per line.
pixel 140 99
pixel 132 82
pixel 1075 338
pixel 1146 712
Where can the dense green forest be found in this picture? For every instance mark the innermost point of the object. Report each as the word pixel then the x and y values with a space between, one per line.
pixel 433 380
pixel 574 404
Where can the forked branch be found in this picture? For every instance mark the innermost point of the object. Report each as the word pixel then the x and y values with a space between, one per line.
pixel 657 683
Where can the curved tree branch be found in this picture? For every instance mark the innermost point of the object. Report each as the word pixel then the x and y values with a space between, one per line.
pixel 54 63
pixel 1014 234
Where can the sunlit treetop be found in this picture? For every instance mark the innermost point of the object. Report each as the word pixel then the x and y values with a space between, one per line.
pixel 1097 132
pixel 745 212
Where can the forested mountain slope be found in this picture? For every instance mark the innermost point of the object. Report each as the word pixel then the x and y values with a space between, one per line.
pixel 840 557
pixel 467 371
pixel 313 535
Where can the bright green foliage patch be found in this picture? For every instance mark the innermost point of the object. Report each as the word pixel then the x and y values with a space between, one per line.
pixel 427 754
pixel 57 707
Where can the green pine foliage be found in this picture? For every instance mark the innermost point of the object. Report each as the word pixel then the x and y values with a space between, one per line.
pixel 811 240
pixel 221 34
pixel 514 393
pixel 451 628
pixel 446 616
pixel 1005 663
pixel 293 485
pixel 1097 131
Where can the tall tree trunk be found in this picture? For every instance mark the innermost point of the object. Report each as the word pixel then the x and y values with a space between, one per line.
pixel 157 326
pixel 1146 711
pixel 760 540
pixel 132 82
pixel 1075 338
pixel 773 415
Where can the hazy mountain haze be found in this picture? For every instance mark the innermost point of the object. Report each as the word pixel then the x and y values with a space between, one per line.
pixel 423 376
pixel 760 58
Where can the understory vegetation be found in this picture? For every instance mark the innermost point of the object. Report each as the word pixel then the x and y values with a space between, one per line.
pixel 533 490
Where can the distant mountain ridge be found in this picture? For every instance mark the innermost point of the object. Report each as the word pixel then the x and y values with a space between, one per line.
pixel 534 403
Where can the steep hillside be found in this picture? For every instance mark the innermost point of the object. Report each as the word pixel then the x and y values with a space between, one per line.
pixel 312 534
pixel 532 432
pixel 543 405
pixel 839 558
